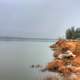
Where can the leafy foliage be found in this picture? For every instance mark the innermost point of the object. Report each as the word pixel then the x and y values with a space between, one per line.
pixel 73 33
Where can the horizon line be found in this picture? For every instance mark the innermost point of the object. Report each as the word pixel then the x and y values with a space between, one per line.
pixel 7 38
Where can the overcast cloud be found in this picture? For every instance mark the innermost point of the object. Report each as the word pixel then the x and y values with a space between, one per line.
pixel 38 18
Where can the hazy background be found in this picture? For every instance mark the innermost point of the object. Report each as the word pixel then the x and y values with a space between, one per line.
pixel 38 18
pixel 32 18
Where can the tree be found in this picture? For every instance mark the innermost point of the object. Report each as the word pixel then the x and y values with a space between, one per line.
pixel 73 33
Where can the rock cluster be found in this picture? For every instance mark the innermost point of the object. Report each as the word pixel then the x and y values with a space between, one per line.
pixel 66 61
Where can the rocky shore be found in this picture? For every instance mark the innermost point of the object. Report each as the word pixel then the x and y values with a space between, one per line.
pixel 66 62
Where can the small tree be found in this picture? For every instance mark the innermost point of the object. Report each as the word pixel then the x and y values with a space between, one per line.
pixel 73 33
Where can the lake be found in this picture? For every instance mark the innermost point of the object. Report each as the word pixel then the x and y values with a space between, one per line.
pixel 16 57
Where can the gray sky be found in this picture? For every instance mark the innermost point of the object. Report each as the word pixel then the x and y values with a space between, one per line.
pixel 38 18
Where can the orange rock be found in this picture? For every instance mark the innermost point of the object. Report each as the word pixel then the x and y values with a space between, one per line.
pixel 54 65
pixel 59 65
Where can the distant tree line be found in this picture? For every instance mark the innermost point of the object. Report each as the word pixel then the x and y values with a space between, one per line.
pixel 73 33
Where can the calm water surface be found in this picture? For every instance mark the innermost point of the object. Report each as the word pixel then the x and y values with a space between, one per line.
pixel 17 56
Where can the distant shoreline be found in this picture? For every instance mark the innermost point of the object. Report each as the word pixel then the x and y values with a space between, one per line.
pixel 26 39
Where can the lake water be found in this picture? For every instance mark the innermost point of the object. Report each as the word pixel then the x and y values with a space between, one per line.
pixel 16 57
